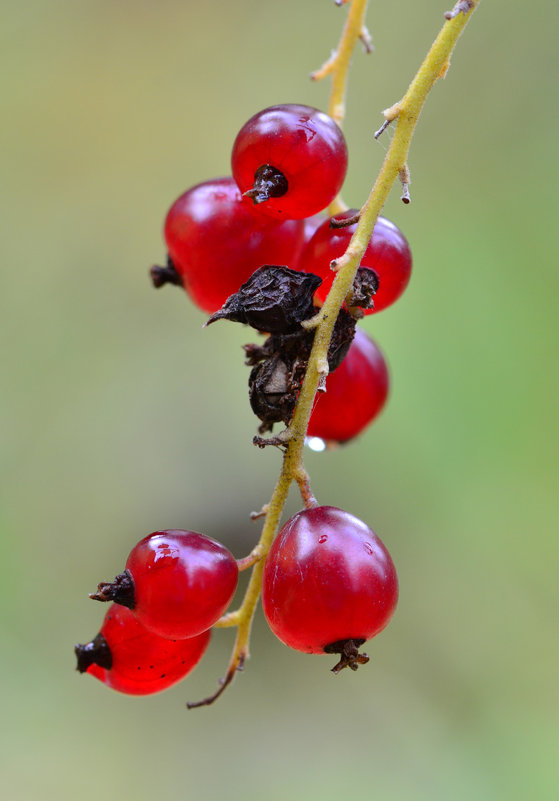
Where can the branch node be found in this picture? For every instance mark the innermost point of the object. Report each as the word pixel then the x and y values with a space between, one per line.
pixel 382 129
pixel 313 322
pixel 279 441
pixel 405 180
pixel 262 513
pixel 366 40
pixel 326 69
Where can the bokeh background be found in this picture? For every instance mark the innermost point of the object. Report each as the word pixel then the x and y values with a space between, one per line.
pixel 121 416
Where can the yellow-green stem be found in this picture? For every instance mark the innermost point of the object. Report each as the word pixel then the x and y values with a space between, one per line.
pixel 407 111
pixel 338 67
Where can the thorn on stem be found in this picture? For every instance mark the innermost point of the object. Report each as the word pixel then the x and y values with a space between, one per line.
pixel 326 69
pixel 382 129
pixel 262 513
pixel 461 7
pixel 404 176
pixel 366 40
pixel 278 442
pixel 223 684
pixel 339 222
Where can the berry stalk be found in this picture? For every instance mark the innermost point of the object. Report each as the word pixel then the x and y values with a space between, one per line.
pixel 292 439
pixel 338 64
pixel 338 67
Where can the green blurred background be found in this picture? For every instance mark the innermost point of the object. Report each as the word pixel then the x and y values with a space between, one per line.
pixel 121 416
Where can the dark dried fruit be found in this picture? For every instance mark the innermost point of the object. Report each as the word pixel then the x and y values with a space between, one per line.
pixel 271 398
pixel 279 367
pixel 274 299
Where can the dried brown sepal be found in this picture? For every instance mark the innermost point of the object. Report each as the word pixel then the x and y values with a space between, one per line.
pixel 96 652
pixel 121 590
pixel 165 275
pixel 365 286
pixel 275 299
pixel 349 654
pixel 268 182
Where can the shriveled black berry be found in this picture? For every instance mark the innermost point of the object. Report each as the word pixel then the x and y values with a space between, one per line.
pixel 275 299
pixel 279 367
pixel 271 394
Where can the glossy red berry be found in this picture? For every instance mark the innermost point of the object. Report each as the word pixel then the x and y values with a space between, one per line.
pixel 328 579
pixel 177 583
pixel 355 393
pixel 215 242
pixel 291 160
pixel 127 658
pixel 387 254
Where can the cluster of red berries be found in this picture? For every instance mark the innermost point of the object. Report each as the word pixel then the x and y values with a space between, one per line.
pixel 329 585
pixel 288 164
pixel 254 248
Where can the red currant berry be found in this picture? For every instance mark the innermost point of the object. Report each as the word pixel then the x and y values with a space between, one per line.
pixel 329 583
pixel 127 658
pixel 291 160
pixel 177 583
pixel 215 242
pixel 387 254
pixel 355 393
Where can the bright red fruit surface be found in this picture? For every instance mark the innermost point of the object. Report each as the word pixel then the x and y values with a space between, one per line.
pixel 327 578
pixel 305 146
pixel 216 241
pixel 355 393
pixel 183 582
pixel 388 255
pixel 141 662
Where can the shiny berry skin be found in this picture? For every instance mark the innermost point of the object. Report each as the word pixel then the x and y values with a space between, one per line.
pixel 216 241
pixel 388 255
pixel 327 579
pixel 291 160
pixel 355 393
pixel 177 583
pixel 127 658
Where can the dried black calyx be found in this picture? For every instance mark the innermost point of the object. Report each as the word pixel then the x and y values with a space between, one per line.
pixel 165 275
pixel 342 337
pixel 349 654
pixel 279 366
pixel 365 286
pixel 96 652
pixel 268 182
pixel 274 299
pixel 121 590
